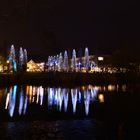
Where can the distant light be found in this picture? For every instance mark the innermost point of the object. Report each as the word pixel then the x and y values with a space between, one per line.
pixel 100 58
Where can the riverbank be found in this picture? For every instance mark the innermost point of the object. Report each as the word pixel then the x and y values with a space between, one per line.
pixel 62 78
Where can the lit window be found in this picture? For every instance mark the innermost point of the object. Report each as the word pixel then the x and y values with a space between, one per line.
pixel 100 58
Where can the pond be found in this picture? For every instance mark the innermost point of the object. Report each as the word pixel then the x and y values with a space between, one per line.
pixel 84 112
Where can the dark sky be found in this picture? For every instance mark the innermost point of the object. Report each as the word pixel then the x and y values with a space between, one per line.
pixel 46 27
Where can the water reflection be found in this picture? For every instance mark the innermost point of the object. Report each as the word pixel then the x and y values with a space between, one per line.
pixel 101 98
pixel 60 99
pixel 11 100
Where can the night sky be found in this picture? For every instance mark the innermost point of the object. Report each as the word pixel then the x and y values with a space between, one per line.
pixel 47 27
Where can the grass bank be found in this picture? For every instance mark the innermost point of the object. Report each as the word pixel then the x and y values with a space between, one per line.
pixel 62 78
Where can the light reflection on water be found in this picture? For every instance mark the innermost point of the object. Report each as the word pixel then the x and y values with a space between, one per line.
pixel 18 98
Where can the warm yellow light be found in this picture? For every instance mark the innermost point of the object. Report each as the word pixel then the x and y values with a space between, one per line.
pixel 100 58
pixel 30 93
pixel 90 87
pixel 124 88
pixel 5 68
pixel 7 101
pixel 97 88
pixel 83 87
pixel 111 87
pixel 101 98
pixel 1 69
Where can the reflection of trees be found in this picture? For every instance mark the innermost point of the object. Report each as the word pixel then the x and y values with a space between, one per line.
pixel 74 99
pixel 18 98
pixel 56 97
pixel 11 102
pixel 22 101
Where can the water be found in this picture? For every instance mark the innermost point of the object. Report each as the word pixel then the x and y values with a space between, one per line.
pixel 86 112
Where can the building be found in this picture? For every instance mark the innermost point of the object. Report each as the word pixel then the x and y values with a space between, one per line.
pixel 35 67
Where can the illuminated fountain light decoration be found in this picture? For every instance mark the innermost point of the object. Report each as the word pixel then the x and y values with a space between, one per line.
pixel 56 62
pixel 21 58
pixel 49 63
pixel 25 59
pixel 86 59
pixel 12 59
pixel 25 56
pixel 60 62
pixel 65 63
pixel 73 61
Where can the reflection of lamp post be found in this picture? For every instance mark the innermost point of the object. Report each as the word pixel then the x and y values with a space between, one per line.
pixel 7 61
pixel 1 68
pixel 7 66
